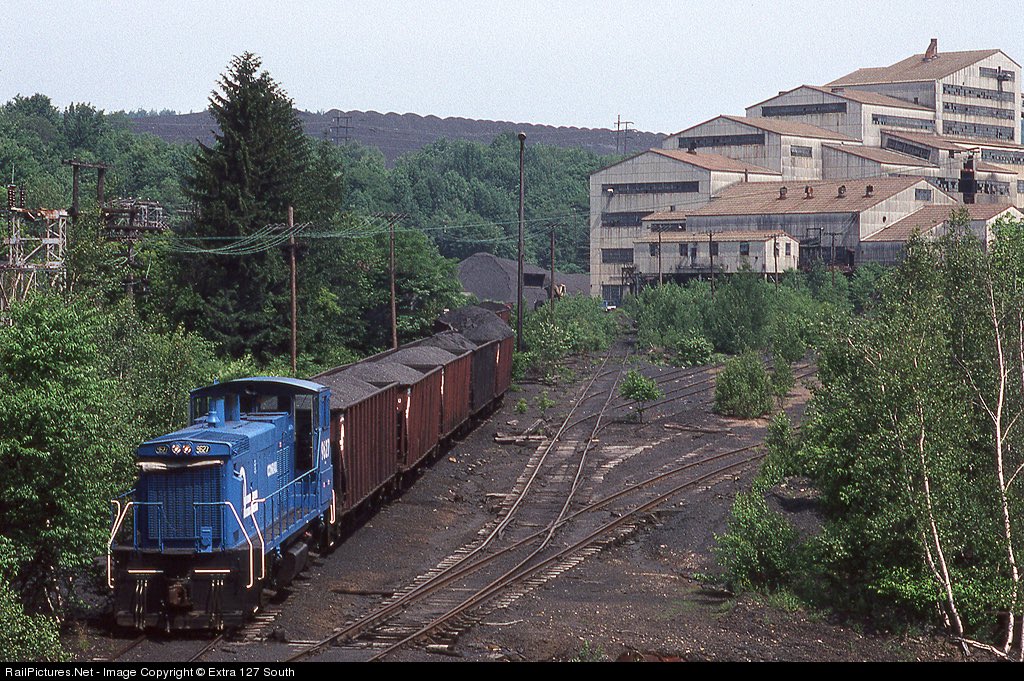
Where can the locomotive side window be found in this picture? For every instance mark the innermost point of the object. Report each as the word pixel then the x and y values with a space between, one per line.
pixel 303 434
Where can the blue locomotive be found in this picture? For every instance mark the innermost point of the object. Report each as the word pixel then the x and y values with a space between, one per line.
pixel 270 468
pixel 224 507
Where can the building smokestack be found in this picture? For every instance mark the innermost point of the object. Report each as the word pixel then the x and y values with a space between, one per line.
pixel 933 50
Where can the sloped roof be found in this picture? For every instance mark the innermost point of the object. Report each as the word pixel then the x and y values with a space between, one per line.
pixel 781 126
pixel 873 98
pixel 489 277
pixel 930 217
pixel 933 141
pixel 915 68
pixel 882 155
pixel 859 96
pixel 730 235
pixel 700 159
pixel 666 215
pixel 715 162
pixel 761 198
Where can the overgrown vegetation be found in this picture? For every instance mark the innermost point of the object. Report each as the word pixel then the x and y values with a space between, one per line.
pixel 687 324
pixel 914 441
pixel 641 389
pixel 577 325
pixel 88 371
pixel 743 389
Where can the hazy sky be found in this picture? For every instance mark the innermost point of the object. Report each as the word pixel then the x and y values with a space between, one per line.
pixel 663 65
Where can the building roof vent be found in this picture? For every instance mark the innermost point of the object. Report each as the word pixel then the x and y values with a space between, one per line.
pixel 870 191
pixel 842 191
pixel 782 192
pixel 808 192
pixel 932 51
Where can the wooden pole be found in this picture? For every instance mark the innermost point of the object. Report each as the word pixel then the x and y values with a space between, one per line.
pixel 776 239
pixel 522 245
pixel 661 280
pixel 551 288
pixel 394 307
pixel 711 254
pixel 295 326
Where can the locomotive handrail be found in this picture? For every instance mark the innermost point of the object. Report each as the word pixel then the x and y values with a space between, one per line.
pixel 241 526
pixel 135 540
pixel 275 520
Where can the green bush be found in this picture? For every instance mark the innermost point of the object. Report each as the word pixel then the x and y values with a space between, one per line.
pixel 759 547
pixel 578 325
pixel 693 350
pixel 637 387
pixel 743 388
pixel 782 378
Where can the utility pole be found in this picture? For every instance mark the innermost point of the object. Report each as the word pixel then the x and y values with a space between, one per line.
pixel 522 244
pixel 661 281
pixel 711 254
pixel 621 130
pixel 394 307
pixel 291 252
pixel 776 239
pixel 551 288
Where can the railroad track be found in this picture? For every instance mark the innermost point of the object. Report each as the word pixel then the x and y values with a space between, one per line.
pixel 550 482
pixel 436 603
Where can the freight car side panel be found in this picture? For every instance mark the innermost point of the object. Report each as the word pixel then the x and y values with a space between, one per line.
pixel 485 370
pixel 368 458
pixel 504 378
pixel 422 418
pixel 455 402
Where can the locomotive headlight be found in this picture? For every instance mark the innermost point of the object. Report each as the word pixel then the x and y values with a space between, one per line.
pixel 186 448
pixel 175 448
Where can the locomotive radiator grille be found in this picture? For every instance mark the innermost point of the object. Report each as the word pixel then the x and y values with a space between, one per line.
pixel 178 491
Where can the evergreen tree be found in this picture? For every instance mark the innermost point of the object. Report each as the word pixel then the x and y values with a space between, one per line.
pixel 241 184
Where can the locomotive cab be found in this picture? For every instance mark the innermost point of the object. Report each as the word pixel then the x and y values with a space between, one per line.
pixel 223 507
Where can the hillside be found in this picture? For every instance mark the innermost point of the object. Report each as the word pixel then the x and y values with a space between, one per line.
pixel 396 134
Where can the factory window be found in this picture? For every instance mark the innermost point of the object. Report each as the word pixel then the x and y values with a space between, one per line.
pixel 1020 186
pixel 907 148
pixel 977 92
pixel 999 132
pixel 922 194
pixel 693 251
pixel 721 141
pixel 903 122
pixel 973 110
pixel 616 255
pixel 623 219
pixel 797 150
pixel 655 250
pixel 1015 158
pixel 651 188
pixel 744 248
pixel 789 248
pixel 612 293
pixel 803 109
pixel 714 248
pixel 997 73
pixel 683 248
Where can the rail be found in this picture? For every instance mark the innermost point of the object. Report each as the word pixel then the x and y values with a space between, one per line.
pixel 121 514
pixel 248 539
pixel 288 506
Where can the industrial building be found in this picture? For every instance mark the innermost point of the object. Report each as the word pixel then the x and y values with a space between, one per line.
pixel 835 166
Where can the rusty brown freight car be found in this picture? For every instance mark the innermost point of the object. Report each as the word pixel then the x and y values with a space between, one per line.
pixel 492 357
pixel 418 409
pixel 454 385
pixel 364 434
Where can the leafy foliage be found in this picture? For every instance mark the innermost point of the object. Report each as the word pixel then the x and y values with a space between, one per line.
pixel 641 389
pixel 913 441
pixel 743 388
pixel 578 324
